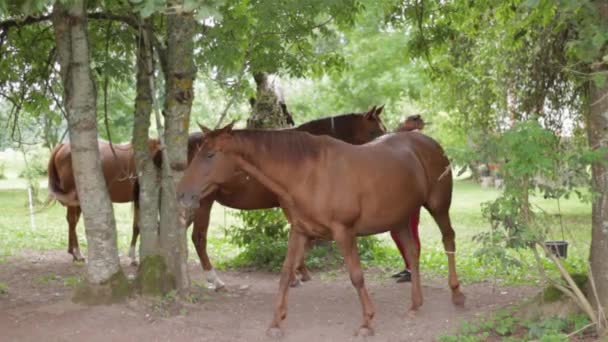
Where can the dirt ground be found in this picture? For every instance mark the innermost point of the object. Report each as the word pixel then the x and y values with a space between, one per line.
pixel 37 307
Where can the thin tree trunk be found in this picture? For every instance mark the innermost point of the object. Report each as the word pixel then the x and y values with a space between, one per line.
pixel 178 103
pixel 597 131
pixel 267 111
pixel 103 266
pixel 147 173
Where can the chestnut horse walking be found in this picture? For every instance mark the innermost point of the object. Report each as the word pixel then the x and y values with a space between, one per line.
pixel 333 190
pixel 242 192
pixel 120 177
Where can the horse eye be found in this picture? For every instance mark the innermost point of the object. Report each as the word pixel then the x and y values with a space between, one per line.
pixel 210 154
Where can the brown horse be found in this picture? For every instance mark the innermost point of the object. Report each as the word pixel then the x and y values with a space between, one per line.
pixel 120 177
pixel 332 190
pixel 242 192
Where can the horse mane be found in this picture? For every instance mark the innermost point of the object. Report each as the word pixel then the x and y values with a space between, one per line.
pixel 287 144
pixel 342 125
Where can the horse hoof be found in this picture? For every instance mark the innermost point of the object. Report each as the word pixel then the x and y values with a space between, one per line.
pixel 411 313
pixel 295 283
pixel 306 277
pixel 79 260
pixel 274 332
pixel 221 288
pixel 364 332
pixel 458 299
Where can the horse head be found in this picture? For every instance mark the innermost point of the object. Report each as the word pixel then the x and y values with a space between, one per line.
pixel 411 123
pixel 368 127
pixel 209 168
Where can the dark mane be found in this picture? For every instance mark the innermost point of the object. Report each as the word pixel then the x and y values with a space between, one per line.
pixel 194 141
pixel 342 126
pixel 286 144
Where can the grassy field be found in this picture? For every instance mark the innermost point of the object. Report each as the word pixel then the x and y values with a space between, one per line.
pixel 50 233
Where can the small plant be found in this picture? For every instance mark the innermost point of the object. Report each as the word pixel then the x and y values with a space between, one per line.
pixel 2 170
pixel 47 278
pixel 71 281
pixel 505 325
pixel 3 289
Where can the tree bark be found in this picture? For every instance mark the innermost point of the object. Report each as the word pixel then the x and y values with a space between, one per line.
pixel 267 111
pixel 598 138
pixel 178 103
pixel 70 25
pixel 147 174
pixel 597 132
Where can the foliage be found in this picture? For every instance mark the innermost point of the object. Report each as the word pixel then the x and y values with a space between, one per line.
pixel 262 236
pixel 506 325
pixel 533 160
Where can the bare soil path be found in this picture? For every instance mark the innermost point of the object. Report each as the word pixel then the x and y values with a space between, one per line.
pixel 37 307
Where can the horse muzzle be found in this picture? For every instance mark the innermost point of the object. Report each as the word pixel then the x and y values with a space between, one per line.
pixel 188 199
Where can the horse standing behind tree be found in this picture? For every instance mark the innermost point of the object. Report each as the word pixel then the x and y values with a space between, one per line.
pixel 333 190
pixel 120 176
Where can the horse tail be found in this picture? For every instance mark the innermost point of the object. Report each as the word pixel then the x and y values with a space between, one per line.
pixel 56 192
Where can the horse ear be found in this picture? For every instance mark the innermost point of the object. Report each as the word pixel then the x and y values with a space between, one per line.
pixel 204 128
pixel 228 128
pixel 370 115
pixel 379 111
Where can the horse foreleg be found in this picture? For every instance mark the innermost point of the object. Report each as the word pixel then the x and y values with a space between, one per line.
pixel 348 245
pixel 408 244
pixel 295 250
pixel 73 214
pixel 449 244
pixel 199 238
pixel 132 254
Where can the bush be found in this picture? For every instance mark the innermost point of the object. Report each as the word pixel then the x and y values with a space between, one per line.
pixel 262 236
pixel 36 167
pixel 2 170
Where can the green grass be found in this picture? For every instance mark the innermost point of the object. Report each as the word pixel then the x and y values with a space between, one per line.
pixel 468 221
pixel 51 234
pixel 51 227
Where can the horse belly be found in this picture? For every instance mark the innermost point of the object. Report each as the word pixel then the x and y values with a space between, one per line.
pixel 388 201
pixel 246 193
pixel 121 191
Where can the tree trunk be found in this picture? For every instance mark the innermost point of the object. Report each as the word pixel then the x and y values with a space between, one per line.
pixel 178 103
pixel 105 281
pixel 147 173
pixel 268 110
pixel 597 132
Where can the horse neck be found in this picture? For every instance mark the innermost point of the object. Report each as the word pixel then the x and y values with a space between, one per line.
pixel 335 126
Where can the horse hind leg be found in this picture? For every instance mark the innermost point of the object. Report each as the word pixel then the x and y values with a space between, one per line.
pixel 72 216
pixel 301 267
pixel 408 244
pixel 442 218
